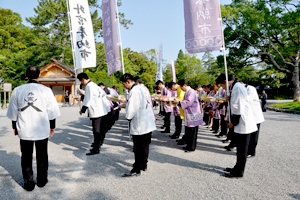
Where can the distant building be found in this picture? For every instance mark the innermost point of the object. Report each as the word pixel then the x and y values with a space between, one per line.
pixel 59 77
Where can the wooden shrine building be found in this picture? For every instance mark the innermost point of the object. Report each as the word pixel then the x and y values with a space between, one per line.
pixel 60 78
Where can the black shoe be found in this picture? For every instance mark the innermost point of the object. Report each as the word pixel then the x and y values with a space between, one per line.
pixel 144 168
pixel 220 135
pixel 132 173
pixel 163 127
pixel 227 169
pixel 187 150
pixel 181 142
pixel 229 148
pixel 173 136
pixel 165 131
pixel 250 156
pixel 230 175
pixel 29 186
pixel 92 152
pixel 42 183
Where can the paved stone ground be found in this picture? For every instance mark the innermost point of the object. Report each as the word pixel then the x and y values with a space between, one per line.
pixel 172 174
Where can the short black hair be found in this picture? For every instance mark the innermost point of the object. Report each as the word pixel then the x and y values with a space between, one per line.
pixel 32 72
pixel 222 77
pixel 158 82
pixel 182 82
pixel 166 84
pixel 125 77
pixel 114 87
pixel 138 79
pixel 101 84
pixel 170 84
pixel 82 75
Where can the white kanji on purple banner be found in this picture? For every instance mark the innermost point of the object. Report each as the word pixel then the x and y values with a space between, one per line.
pixel 203 30
pixel 110 37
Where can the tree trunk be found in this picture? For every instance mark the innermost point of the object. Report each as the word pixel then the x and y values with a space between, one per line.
pixel 295 80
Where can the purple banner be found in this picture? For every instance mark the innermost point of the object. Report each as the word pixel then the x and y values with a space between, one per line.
pixel 203 30
pixel 173 71
pixel 110 37
pixel 159 59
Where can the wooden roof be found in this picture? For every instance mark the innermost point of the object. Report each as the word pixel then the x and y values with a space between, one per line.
pixel 57 71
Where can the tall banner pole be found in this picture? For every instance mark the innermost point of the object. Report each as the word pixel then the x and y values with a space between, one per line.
pixel 225 60
pixel 224 53
pixel 73 54
pixel 120 38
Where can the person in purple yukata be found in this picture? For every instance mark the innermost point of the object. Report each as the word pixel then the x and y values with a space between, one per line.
pixel 192 115
pixel 167 109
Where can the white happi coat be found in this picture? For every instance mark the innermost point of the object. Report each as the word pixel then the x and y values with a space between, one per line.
pixel 32 105
pixel 96 101
pixel 240 105
pixel 139 112
pixel 255 104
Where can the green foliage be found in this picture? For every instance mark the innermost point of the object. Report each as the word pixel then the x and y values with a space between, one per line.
pixel 288 106
pixel 190 68
pixel 16 41
pixel 265 31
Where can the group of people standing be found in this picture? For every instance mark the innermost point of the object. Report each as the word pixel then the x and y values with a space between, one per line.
pixel 239 115
pixel 33 102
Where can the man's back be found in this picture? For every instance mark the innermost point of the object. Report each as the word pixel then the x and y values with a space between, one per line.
pixel 32 105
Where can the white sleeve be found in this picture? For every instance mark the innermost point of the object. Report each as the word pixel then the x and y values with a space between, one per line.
pixel 87 96
pixel 52 106
pixel 12 112
pixel 236 101
pixel 133 104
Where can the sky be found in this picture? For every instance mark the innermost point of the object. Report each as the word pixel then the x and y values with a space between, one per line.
pixel 155 22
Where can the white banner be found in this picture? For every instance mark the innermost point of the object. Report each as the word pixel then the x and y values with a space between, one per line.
pixel 159 58
pixel 82 34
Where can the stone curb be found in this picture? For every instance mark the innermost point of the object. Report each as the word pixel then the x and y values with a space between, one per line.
pixel 283 110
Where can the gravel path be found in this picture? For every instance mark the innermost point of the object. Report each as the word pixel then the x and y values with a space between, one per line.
pixel 172 174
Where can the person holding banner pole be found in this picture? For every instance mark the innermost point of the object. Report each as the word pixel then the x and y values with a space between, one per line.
pixel 98 107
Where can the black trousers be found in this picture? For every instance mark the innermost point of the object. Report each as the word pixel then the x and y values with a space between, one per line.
pixel 253 141
pixel 191 137
pixel 216 124
pixel 141 150
pixel 100 128
pixel 178 125
pixel 224 126
pixel 242 142
pixel 264 105
pixel 167 120
pixel 206 116
pixel 41 147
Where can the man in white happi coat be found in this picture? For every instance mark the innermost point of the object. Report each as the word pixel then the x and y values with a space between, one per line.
pixel 258 116
pixel 141 123
pixel 33 110
pixel 242 120
pixel 98 108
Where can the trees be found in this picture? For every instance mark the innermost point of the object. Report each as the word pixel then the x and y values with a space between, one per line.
pixel 16 42
pixel 188 67
pixel 51 21
pixel 268 30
